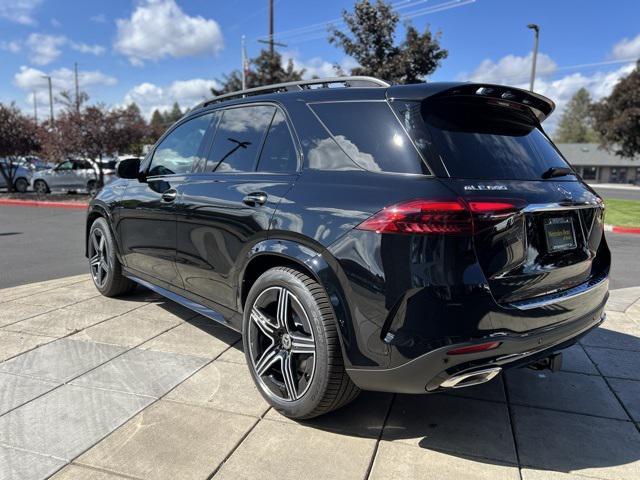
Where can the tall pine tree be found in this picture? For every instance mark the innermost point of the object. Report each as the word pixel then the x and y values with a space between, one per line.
pixel 575 123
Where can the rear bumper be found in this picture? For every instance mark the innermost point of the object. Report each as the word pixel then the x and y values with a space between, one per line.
pixel 430 371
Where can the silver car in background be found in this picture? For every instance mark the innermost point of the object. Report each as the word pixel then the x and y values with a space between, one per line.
pixel 73 175
pixel 21 176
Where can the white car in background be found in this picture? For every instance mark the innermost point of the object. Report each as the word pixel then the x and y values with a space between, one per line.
pixel 72 175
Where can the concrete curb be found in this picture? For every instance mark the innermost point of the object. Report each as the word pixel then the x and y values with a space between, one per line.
pixel 616 229
pixel 43 204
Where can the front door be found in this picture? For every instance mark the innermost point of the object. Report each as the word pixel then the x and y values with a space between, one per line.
pixel 147 221
pixel 226 209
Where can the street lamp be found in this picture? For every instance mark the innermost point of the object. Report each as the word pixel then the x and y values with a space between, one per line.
pixel 536 29
pixel 50 98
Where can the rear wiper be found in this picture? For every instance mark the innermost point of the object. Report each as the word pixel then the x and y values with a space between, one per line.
pixel 557 172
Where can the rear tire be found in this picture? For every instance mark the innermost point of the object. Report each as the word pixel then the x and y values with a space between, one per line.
pixel 295 357
pixel 105 268
pixel 21 185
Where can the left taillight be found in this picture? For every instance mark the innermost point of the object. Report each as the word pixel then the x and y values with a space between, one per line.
pixel 421 216
pixel 434 216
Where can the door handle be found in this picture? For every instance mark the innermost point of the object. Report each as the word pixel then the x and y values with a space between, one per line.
pixel 255 198
pixel 169 196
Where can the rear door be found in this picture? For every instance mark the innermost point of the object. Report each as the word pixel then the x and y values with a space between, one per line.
pixel 147 219
pixel 226 208
pixel 537 230
pixel 61 176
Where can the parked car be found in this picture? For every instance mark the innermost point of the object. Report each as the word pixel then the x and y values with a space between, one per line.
pixel 36 163
pixel 21 176
pixel 72 175
pixel 411 239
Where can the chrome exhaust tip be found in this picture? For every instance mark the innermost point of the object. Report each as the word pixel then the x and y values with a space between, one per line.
pixel 471 378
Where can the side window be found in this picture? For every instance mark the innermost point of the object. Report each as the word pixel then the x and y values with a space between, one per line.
pixel 370 135
pixel 181 149
pixel 238 139
pixel 82 165
pixel 64 166
pixel 278 153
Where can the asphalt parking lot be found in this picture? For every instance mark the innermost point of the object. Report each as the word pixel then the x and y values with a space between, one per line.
pixel 141 388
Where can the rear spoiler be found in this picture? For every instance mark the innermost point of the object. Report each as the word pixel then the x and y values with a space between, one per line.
pixel 539 105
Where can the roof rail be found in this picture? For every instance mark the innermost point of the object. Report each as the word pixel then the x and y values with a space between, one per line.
pixel 353 81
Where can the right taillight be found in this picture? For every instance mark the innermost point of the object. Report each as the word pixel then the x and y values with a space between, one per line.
pixel 434 216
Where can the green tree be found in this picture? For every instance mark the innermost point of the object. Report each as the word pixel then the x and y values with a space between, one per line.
pixel 173 115
pixel 617 117
pixel 575 125
pixel 17 138
pixel 265 69
pixel 372 44
pixel 157 126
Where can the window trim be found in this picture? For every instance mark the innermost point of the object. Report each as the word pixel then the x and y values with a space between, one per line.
pixel 292 133
pixel 146 165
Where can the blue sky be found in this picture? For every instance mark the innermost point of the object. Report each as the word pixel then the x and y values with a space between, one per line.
pixel 157 51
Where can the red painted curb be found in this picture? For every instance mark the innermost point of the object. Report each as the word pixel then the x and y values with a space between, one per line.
pixel 635 230
pixel 43 204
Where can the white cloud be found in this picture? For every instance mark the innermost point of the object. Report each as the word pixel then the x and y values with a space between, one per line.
pixel 84 48
pixel 159 29
pixel 32 80
pixel 187 93
pixel 317 67
pixel 627 48
pixel 100 18
pixel 19 11
pixel 513 70
pixel 44 48
pixel 13 46
pixel 509 69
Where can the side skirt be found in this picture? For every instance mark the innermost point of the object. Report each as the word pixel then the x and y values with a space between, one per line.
pixel 184 301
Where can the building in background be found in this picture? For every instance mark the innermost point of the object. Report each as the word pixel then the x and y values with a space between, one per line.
pixel 597 165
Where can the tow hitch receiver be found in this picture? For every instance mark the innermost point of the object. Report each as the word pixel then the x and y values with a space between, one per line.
pixel 553 362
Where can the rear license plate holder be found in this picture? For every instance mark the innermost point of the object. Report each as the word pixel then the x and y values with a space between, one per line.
pixel 559 234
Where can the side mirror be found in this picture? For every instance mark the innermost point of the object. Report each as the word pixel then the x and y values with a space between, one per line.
pixel 129 168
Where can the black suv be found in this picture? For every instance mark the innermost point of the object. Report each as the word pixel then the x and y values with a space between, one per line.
pixel 363 236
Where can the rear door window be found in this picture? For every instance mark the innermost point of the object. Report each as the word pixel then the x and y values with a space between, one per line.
pixel 239 138
pixel 370 134
pixel 480 140
pixel 279 152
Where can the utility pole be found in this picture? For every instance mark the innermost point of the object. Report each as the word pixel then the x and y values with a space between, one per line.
pixel 534 58
pixel 245 64
pixel 271 41
pixel 75 70
pixel 271 28
pixel 48 77
pixel 35 108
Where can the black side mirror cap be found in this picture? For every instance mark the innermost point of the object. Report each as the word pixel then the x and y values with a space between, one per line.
pixel 129 168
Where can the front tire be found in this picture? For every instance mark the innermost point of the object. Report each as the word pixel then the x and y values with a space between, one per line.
pixel 105 268
pixel 291 345
pixel 41 187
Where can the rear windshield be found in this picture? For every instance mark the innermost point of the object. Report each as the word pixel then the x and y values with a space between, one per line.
pixel 480 140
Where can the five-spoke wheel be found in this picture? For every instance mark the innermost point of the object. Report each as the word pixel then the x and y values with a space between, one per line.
pixel 281 344
pixel 99 257
pixel 291 344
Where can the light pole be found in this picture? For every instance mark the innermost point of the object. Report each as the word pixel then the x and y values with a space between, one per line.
pixel 50 98
pixel 536 29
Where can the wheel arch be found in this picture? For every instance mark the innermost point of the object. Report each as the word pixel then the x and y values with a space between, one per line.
pixel 318 265
pixel 96 211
